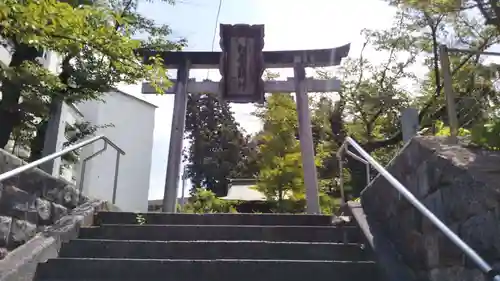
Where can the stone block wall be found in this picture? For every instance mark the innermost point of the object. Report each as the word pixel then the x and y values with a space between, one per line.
pixel 30 202
pixel 461 186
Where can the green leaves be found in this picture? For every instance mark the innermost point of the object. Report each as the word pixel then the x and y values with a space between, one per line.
pixel 279 162
pixel 434 6
pixel 94 38
pixel 281 177
pixel 219 149
pixel 95 50
pixel 203 201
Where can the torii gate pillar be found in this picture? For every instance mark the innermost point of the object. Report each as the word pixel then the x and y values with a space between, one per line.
pixel 176 137
pixel 306 139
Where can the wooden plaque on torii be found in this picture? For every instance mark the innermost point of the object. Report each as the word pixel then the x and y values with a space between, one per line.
pixel 242 63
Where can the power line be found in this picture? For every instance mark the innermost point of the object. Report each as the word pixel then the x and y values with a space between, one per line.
pixel 215 30
pixel 216 22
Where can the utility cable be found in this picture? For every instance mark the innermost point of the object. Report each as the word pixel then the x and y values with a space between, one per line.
pixel 215 30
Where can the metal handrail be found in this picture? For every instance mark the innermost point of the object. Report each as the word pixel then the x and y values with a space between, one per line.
pixel 69 149
pixel 466 249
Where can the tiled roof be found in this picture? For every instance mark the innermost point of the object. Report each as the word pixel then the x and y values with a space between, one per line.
pixel 244 193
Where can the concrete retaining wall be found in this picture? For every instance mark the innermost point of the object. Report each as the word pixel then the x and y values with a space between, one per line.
pixel 31 202
pixel 458 184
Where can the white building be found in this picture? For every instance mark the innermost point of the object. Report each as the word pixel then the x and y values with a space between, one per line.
pixel 133 121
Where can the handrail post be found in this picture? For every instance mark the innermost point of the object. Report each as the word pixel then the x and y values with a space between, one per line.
pixel 115 179
pixel 341 180
pixel 368 177
pixel 84 167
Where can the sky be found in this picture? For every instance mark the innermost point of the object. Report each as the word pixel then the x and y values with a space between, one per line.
pixel 289 25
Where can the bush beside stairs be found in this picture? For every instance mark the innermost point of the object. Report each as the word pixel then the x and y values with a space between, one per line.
pixel 212 247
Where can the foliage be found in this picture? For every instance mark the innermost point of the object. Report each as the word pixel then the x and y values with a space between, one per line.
pixel 468 24
pixel 81 130
pixel 442 130
pixel 96 46
pixel 140 219
pixel 281 176
pixel 374 93
pixel 219 149
pixel 485 135
pixel 21 138
pixel 279 162
pixel 373 96
pixel 487 9
pixel 76 133
pixel 204 201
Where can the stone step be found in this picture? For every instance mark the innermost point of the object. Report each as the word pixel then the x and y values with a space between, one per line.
pixel 64 269
pixel 223 232
pixel 207 250
pixel 212 219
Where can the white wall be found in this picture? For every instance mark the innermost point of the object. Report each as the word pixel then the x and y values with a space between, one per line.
pixel 133 121
pixel 4 55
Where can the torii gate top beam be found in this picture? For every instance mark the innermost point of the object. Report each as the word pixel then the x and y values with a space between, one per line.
pixel 272 59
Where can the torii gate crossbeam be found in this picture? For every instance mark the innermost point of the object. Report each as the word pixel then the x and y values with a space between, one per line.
pixel 299 60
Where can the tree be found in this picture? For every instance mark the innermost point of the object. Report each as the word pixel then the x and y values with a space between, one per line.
pixel 473 78
pixel 76 133
pixel 281 177
pixel 97 49
pixel 487 9
pixel 372 97
pixel 373 94
pixel 218 151
pixel 325 146
pixel 280 162
pixel 204 201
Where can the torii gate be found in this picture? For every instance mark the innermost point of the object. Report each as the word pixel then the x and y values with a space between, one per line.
pixel 242 63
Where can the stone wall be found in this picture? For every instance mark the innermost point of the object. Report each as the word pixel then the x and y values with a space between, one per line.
pixel 461 186
pixel 31 202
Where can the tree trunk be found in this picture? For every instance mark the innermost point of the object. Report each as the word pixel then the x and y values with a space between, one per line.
pixel 36 145
pixel 10 111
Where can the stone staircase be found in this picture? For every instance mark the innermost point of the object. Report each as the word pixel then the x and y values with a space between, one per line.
pixel 212 247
